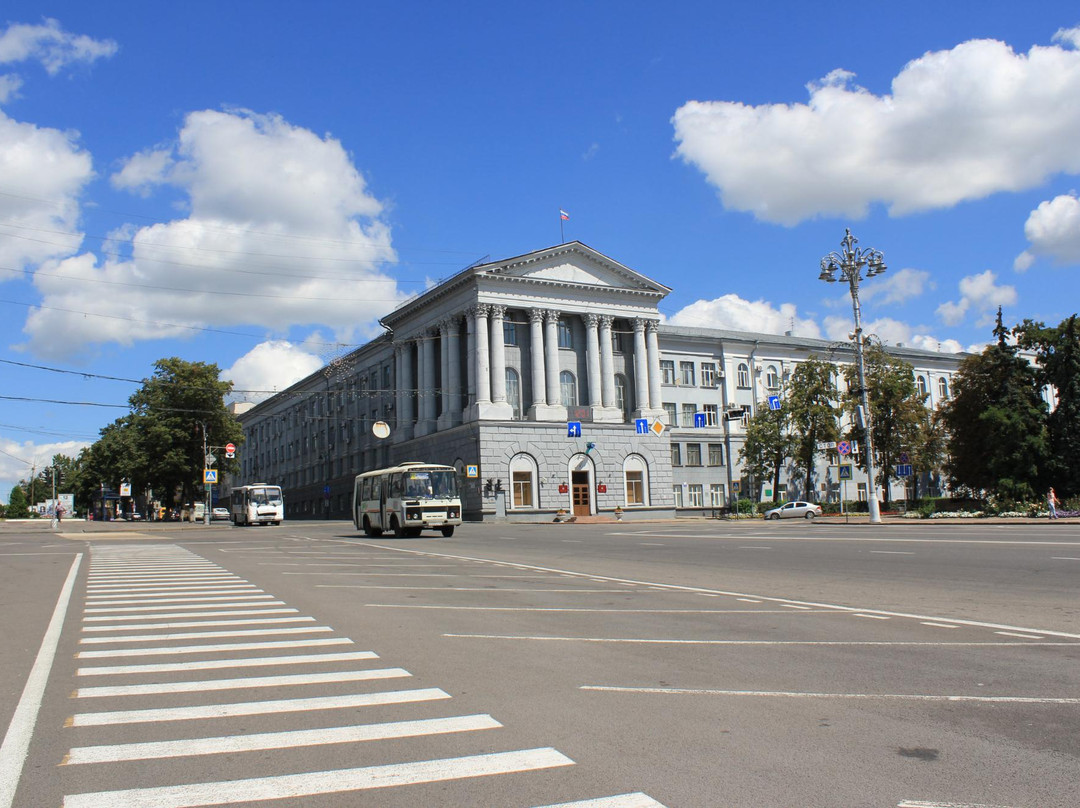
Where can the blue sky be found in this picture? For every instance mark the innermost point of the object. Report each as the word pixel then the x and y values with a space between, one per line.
pixel 255 183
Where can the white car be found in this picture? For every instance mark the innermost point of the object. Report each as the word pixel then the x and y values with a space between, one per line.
pixel 219 513
pixel 807 510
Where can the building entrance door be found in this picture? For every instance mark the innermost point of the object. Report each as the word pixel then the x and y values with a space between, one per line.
pixel 580 487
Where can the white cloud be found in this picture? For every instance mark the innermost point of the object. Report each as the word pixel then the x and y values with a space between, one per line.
pixel 44 172
pixel 897 287
pixel 269 366
pixel 958 125
pixel 979 293
pixel 1053 230
pixel 891 332
pixel 18 460
pixel 50 45
pixel 282 231
pixel 9 87
pixel 732 312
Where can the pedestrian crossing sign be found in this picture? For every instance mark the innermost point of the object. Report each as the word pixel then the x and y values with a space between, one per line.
pixel 209 476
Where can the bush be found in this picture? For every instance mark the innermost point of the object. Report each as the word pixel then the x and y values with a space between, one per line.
pixel 745 507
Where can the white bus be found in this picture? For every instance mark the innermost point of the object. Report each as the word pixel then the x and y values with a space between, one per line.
pixel 406 499
pixel 257 504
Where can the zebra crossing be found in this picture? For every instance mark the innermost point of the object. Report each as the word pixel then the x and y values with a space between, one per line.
pixel 167 643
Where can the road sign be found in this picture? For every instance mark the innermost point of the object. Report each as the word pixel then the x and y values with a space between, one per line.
pixel 903 470
pixel 209 476
pixel 904 458
pixel 210 459
pixel 844 448
pixel 472 470
pixel 657 427
pixel 845 471
pixel 774 402
pixel 699 420
pixel 641 425
pixel 573 429
pixel 230 450
pixel 735 485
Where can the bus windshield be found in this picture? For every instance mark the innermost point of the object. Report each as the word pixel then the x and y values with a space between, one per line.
pixel 429 484
pixel 266 496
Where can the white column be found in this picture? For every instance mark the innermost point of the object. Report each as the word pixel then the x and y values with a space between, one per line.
pixel 453 379
pixel 483 366
pixel 652 328
pixel 444 375
pixel 427 387
pixel 551 353
pixel 641 370
pixel 407 386
pixel 498 355
pixel 470 365
pixel 536 352
pixel 592 357
pixel 610 409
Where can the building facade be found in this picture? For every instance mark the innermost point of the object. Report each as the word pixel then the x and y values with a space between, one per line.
pixel 551 376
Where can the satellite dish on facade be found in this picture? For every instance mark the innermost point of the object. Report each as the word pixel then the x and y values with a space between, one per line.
pixel 380 429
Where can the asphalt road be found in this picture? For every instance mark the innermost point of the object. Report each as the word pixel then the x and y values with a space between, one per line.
pixel 688 663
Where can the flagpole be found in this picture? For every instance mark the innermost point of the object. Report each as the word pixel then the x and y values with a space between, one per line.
pixel 562 238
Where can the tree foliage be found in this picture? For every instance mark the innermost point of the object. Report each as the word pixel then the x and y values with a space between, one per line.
pixel 1057 352
pixel 17 506
pixel 767 445
pixel 811 400
pixel 998 442
pixel 897 410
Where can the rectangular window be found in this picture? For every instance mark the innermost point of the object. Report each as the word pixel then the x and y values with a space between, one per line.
pixel 667 371
pixel 566 334
pixel 523 489
pixel 693 454
pixel 676 454
pixel 717 495
pixel 510 334
pixel 708 374
pixel 862 492
pixel 712 414
pixel 676 492
pixel 688 411
pixel 635 488
pixel 669 410
pixel 696 496
pixel 716 454
pixel 686 374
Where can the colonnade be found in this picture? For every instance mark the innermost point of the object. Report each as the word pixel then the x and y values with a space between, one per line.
pixel 424 404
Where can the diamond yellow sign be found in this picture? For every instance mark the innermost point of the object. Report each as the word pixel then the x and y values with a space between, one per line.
pixel 657 428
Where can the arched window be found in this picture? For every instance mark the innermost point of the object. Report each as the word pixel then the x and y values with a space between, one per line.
pixel 568 388
pixel 513 392
pixel 943 388
pixel 743 375
pixel 620 393
pixel 920 384
pixel 772 378
pixel 523 478
pixel 636 481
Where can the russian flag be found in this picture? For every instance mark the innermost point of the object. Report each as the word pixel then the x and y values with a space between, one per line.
pixel 563 215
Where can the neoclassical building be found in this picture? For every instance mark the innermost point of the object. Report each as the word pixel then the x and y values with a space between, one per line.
pixel 552 376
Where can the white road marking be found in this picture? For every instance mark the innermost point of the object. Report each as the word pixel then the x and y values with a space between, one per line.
pixel 278 740
pixel 921 804
pixel 270 601
pixel 872 616
pixel 203 635
pixel 254 708
pixel 793 606
pixel 200 623
pixel 938 625
pixel 95 604
pixel 1065 558
pixel 204 649
pixel 212 664
pixel 748 600
pixel 164 595
pixel 1017 634
pixel 892 552
pixel 327 782
pixel 680 588
pixel 238 684
pixel 755 548
pixel 560 609
pixel 381 574
pixel 669 641
pixel 460 588
pixel 16 743
pixel 855 696
pixel 635 800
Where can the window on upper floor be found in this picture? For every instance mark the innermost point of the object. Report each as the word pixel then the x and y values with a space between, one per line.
pixel 712 414
pixel 510 333
pixel 772 378
pixel 568 389
pixel 566 333
pixel 513 392
pixel 743 376
pixel 667 371
pixel 943 388
pixel 920 385
pixel 620 394
pixel 669 413
pixel 686 374
pixel 708 374
pixel 693 454
pixel 688 411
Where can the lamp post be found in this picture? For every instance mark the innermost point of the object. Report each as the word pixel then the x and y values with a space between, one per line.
pixel 850 262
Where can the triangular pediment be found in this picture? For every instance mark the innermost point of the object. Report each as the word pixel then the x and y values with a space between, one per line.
pixel 572 264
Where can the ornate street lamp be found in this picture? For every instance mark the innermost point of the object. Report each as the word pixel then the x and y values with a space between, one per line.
pixel 850 262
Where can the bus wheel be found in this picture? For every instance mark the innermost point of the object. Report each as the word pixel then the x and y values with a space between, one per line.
pixel 448 531
pixel 369 530
pixel 399 531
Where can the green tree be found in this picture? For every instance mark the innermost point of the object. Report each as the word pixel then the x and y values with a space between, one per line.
pixel 996 422
pixel 17 507
pixel 810 398
pixel 897 410
pixel 1057 352
pixel 930 449
pixel 767 446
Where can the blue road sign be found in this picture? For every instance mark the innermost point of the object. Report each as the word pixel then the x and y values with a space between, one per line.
pixel 904 457
pixel 903 470
pixel 699 420
pixel 843 447
pixel 642 425
pixel 774 402
pixel 573 429
pixel 845 471
pixel 209 476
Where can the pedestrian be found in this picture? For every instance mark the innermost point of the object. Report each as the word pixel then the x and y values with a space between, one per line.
pixel 1051 501
pixel 59 513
